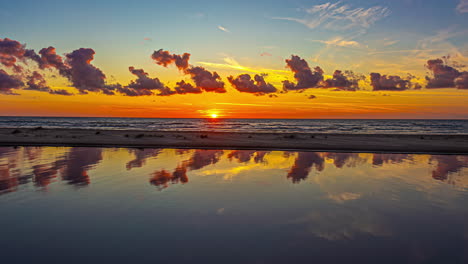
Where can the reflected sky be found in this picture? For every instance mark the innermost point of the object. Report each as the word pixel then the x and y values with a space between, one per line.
pixel 232 206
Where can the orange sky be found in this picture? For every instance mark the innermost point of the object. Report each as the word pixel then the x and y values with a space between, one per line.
pixel 437 103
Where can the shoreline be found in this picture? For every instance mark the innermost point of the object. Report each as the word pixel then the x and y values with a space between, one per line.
pixel 395 143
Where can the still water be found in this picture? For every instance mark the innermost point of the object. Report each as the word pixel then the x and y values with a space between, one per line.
pixel 93 205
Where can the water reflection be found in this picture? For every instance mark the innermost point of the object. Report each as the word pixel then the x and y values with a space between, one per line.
pixel 273 206
pixel 43 166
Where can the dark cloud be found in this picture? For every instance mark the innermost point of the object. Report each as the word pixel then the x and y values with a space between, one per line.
pixel 443 76
pixel 10 52
pixel 144 85
pixel 8 82
pixel 50 59
pixel 461 82
pixel 83 75
pixel 206 80
pixel 37 82
pixel 244 83
pixel 184 88
pixel 303 74
pixel 164 58
pixel 342 81
pixel 311 97
pixel 388 83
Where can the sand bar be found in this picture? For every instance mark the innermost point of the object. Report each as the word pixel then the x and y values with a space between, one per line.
pixel 297 141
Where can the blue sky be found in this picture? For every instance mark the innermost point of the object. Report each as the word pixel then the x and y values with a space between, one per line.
pixel 117 30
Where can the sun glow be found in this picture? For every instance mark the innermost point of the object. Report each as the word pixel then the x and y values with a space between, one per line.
pixel 214 115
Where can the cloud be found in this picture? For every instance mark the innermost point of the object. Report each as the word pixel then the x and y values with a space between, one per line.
pixel 184 88
pixel 443 76
pixel 462 7
pixel 144 85
pixel 341 81
pixel 147 39
pixel 206 80
pixel 76 67
pixel 263 54
pixel 340 17
pixel 84 76
pixel 388 83
pixel 462 81
pixel 50 59
pixel 223 29
pixel 10 52
pixel 8 82
pixel 303 74
pixel 244 83
pixel 164 58
pixel 339 42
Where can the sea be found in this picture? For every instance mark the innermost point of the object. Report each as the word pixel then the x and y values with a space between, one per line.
pixel 353 126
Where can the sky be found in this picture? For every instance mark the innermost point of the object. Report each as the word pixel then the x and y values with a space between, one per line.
pixel 236 59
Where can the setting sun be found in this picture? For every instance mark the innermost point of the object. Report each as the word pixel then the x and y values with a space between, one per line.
pixel 214 116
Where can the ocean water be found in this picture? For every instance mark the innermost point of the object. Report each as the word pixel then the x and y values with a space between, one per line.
pixel 247 125
pixel 119 205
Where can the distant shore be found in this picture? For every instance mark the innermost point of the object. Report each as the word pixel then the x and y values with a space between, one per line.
pixel 295 141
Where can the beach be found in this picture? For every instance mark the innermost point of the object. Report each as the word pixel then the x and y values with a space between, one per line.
pixel 395 143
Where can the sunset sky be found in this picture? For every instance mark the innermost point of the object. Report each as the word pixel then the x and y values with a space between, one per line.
pixel 419 48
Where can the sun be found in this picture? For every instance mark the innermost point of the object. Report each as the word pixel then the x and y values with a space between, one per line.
pixel 214 115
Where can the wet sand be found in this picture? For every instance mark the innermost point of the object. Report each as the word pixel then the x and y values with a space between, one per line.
pixel 294 141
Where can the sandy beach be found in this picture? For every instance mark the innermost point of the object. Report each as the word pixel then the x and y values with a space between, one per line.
pixel 293 141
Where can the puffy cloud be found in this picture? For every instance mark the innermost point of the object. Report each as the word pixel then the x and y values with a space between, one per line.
pixel 144 85
pixel 258 86
pixel 443 76
pixel 462 81
pixel 50 59
pixel 303 74
pixel 83 75
pixel 164 58
pixel 184 88
pixel 36 82
pixel 77 68
pixel 206 80
pixel 388 83
pixel 10 50
pixel 341 81
pixel 8 82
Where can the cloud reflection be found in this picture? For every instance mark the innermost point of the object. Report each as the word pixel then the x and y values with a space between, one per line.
pixel 43 166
